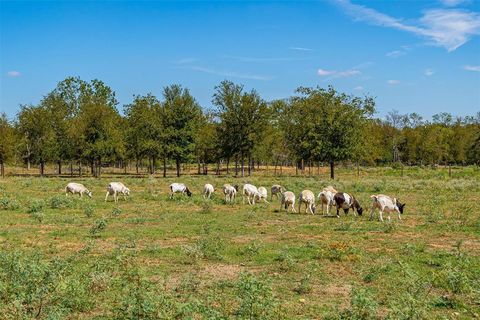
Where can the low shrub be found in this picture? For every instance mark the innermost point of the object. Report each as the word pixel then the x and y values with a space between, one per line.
pixel 363 305
pixel 255 298
pixel 57 202
pixel 98 226
pixel 88 210
pixel 9 204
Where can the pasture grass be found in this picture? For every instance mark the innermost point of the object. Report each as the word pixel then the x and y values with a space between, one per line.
pixel 152 257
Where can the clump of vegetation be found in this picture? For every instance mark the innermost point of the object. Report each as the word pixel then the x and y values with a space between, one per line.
pixel 363 305
pixel 209 246
pixel 9 204
pixel 88 210
pixel 57 202
pixel 116 211
pixel 286 261
pixel 140 298
pixel 255 298
pixel 98 226
pixel 36 206
pixel 35 209
pixel 35 287
pixel 251 250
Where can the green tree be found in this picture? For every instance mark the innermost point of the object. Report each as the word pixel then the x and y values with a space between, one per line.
pixel 6 142
pixel 99 125
pixel 37 135
pixel 144 127
pixel 325 125
pixel 243 119
pixel 206 145
pixel 180 117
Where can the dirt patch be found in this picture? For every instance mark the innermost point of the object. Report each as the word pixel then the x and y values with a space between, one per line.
pixel 222 271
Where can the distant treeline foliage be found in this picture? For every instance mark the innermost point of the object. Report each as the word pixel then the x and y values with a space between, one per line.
pixel 79 123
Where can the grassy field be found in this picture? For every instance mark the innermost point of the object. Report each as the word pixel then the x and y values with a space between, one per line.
pixel 189 258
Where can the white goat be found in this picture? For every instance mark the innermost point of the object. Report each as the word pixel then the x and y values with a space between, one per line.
pixel 326 198
pixel 114 188
pixel 179 188
pixel 250 191
pixel 288 199
pixel 386 204
pixel 79 188
pixel 208 189
pixel 262 194
pixel 230 192
pixel 307 197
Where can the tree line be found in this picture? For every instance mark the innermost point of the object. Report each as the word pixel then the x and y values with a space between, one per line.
pixel 79 124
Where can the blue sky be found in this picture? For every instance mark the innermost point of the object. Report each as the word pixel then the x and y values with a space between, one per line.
pixel 414 56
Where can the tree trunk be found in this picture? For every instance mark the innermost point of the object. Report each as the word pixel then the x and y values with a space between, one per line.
pixel 2 169
pixel 92 168
pixel 99 168
pixel 309 168
pixel 275 170
pixel 228 165
pixel 177 161
pixel 164 167
pixel 243 164
pixel 125 167
pixel 358 169
pixel 80 168
pixel 332 170
pixel 71 168
pixel 136 165
pixel 28 164
pixel 154 164
pixel 449 170
pixel 250 164
pixel 236 165
pixel 218 167
pixel 296 168
pixel 318 168
pixel 303 167
pixel 42 167
pixel 59 167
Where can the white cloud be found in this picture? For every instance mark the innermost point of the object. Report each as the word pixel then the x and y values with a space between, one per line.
pixel 452 3
pixel 322 72
pixel 230 74
pixel 13 74
pixel 333 74
pixel 393 82
pixel 448 28
pixel 395 53
pixel 359 88
pixel 300 49
pixel 429 72
pixel 472 68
